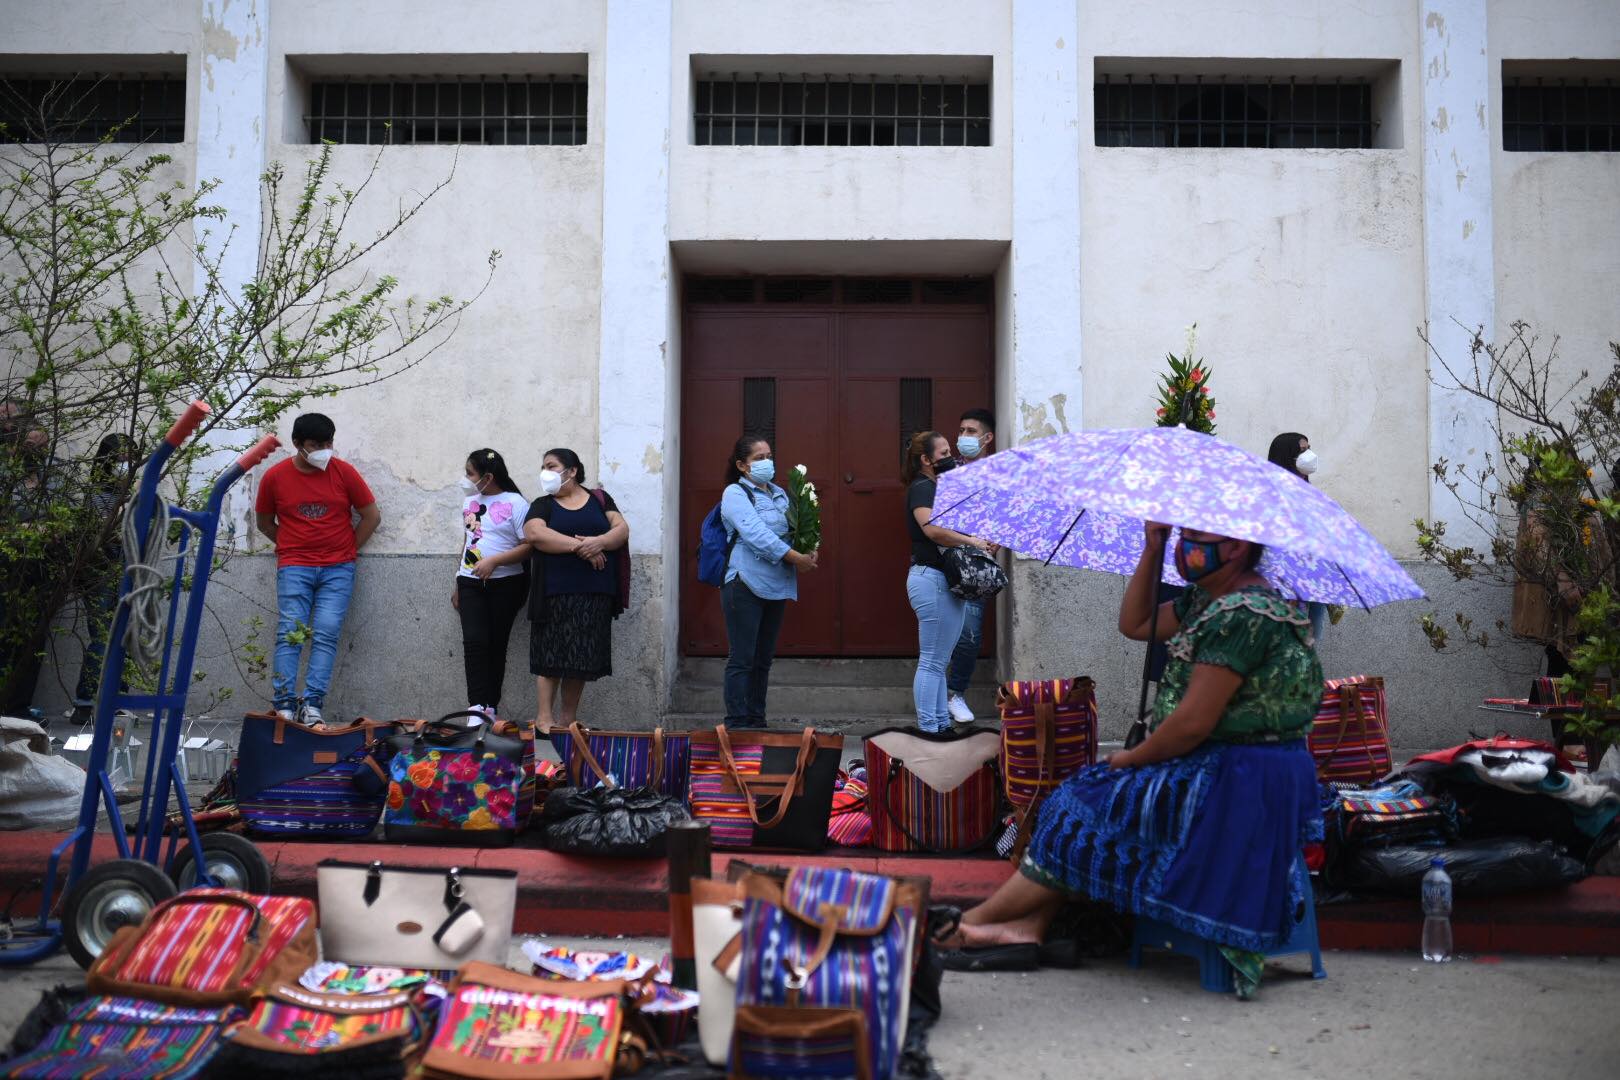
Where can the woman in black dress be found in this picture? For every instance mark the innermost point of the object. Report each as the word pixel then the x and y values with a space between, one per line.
pixel 578 536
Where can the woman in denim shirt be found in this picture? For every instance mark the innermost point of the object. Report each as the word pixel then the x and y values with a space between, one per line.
pixel 760 577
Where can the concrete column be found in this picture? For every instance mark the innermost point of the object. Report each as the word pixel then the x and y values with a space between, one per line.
pixel 232 89
pixel 632 384
pixel 1044 262
pixel 1459 270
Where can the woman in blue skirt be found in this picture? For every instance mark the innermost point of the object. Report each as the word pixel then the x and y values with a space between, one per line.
pixel 1199 825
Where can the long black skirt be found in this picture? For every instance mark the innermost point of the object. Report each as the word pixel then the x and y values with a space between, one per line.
pixel 576 640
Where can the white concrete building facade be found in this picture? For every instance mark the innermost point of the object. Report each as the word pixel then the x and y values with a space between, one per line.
pixel 655 278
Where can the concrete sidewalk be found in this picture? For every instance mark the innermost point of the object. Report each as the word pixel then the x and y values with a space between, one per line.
pixel 561 894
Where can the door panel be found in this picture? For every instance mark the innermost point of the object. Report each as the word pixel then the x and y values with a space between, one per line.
pixel 838 372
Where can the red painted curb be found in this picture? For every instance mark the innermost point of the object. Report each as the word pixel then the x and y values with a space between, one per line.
pixel 562 894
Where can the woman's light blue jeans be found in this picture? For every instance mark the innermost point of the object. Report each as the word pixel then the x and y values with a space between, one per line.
pixel 939 626
pixel 316 599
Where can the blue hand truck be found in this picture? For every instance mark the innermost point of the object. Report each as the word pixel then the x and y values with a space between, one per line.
pixel 98 900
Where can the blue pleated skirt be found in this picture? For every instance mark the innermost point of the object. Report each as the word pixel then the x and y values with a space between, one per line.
pixel 1205 842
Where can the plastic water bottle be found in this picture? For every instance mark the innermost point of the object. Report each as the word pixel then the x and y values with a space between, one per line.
pixel 1437 913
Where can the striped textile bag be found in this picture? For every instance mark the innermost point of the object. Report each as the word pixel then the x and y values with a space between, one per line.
pixel 850 825
pixel 208 947
pixel 1396 813
pixel 120 1038
pixel 1350 736
pixel 769 789
pixel 496 1023
pixel 824 973
pixel 1048 733
pixel 315 783
pixel 932 792
pixel 633 758
pixel 294 1032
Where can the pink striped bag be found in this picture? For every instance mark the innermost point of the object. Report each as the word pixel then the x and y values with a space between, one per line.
pixel 1350 736
pixel 932 792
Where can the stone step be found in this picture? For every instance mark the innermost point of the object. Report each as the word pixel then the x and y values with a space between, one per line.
pixel 848 701
pixel 852 728
pixel 795 671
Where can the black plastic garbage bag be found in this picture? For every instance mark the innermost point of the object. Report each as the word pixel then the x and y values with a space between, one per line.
pixel 1501 864
pixel 625 822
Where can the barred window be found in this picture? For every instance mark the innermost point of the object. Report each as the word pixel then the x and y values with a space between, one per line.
pixel 1215 111
pixel 841 110
pixel 93 108
pixel 1560 114
pixel 545 110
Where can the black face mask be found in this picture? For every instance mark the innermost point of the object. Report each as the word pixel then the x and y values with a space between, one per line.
pixel 945 466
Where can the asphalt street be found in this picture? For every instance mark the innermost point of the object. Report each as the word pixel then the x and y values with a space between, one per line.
pixel 1380 1016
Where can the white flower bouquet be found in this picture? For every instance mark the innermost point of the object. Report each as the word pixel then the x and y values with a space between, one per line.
pixel 804 512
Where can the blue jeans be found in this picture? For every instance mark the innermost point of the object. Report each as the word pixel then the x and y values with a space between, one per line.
pixel 752 626
pixel 939 627
pixel 966 655
pixel 314 599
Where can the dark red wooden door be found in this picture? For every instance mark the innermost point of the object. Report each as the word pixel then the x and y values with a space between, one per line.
pixel 840 387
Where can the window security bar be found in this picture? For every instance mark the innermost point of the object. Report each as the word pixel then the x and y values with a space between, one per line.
pixel 846 110
pixel 90 108
pixel 1296 112
pixel 1561 114
pixel 492 111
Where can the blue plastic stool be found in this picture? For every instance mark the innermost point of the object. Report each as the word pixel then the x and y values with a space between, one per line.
pixel 1214 973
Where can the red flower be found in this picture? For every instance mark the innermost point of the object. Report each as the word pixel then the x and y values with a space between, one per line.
pixel 1197 375
pixel 1203 390
pixel 1212 414
pixel 1161 412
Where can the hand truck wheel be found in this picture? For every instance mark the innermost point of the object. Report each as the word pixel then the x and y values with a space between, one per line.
pixel 111 896
pixel 234 862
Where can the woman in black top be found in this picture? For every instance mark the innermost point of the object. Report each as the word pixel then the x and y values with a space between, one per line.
pixel 939 611
pixel 577 535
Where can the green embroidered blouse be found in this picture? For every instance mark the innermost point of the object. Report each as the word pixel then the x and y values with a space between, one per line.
pixel 1262 637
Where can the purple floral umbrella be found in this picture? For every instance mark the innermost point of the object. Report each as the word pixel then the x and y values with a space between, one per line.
pixel 1080 500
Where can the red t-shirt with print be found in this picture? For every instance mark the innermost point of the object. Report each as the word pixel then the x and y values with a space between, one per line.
pixel 313 525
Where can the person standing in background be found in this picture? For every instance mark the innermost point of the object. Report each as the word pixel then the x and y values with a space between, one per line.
pixel 1292 451
pixel 318 512
pixel 975 436
pixel 492 582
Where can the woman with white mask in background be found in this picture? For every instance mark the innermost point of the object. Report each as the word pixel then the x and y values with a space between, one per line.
pixel 1292 451
pixel 492 582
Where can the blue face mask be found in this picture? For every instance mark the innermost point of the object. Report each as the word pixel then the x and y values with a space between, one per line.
pixel 1198 559
pixel 968 446
pixel 762 472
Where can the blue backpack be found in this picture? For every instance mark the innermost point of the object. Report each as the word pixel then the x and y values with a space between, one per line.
pixel 714 545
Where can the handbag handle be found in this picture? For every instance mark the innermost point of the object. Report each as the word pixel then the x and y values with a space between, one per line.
pixel 895 765
pixel 583 755
pixel 807 745
pixel 1349 704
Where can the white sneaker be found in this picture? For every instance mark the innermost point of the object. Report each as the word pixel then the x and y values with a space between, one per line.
pixel 287 715
pixel 312 716
pixel 959 709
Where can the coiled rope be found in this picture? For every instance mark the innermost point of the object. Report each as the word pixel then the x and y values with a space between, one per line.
pixel 145 634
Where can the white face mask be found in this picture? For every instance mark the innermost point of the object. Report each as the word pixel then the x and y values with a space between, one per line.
pixel 550 482
pixel 319 458
pixel 1306 462
pixel 469 486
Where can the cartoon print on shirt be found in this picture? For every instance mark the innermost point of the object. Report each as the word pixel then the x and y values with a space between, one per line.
pixel 475 530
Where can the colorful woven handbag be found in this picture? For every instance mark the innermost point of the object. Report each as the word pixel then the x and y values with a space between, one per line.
pixel 1048 733
pixel 1397 813
pixel 824 979
pixel 850 825
pixel 529 798
pixel 450 784
pixel 497 1024
pixel 1350 736
pixel 932 792
pixel 316 783
pixel 633 758
pixel 765 788
pixel 208 947
pixel 294 1032
pixel 120 1038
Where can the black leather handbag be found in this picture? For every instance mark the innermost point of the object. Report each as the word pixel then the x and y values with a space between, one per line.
pixel 972 574
pixel 454 784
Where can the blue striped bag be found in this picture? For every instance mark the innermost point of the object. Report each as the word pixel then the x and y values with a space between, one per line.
pixel 126 1039
pixel 633 758
pixel 315 783
pixel 824 975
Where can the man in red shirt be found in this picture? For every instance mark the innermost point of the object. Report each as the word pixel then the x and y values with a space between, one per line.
pixel 306 507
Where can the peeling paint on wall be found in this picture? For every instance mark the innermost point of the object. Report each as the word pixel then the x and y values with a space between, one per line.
pixel 1058 403
pixel 1441 121
pixel 1036 426
pixel 653 460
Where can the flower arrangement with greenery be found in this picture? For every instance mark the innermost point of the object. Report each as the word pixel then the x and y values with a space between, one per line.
pixel 804 512
pixel 1184 398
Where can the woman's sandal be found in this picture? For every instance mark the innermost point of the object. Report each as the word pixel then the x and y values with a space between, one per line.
pixel 1021 956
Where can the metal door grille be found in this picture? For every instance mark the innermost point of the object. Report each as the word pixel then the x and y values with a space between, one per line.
pixel 797 290
pixel 92 108
pixel 1291 113
pixel 759 409
pixel 491 111
pixel 1561 114
pixel 841 110
pixel 916 411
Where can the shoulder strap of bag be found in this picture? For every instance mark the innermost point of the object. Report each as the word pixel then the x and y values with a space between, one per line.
pixel 1045 769
pixel 583 756
pixel 807 747
pixel 1349 706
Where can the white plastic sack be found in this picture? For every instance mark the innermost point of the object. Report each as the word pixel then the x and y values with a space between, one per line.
pixel 37 790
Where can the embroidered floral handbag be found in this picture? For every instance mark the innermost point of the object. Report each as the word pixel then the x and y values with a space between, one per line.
pixel 454 785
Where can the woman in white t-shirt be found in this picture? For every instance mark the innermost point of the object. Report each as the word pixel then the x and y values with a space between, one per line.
pixel 492 583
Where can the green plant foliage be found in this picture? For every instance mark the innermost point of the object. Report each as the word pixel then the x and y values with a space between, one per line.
pixel 1184 398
